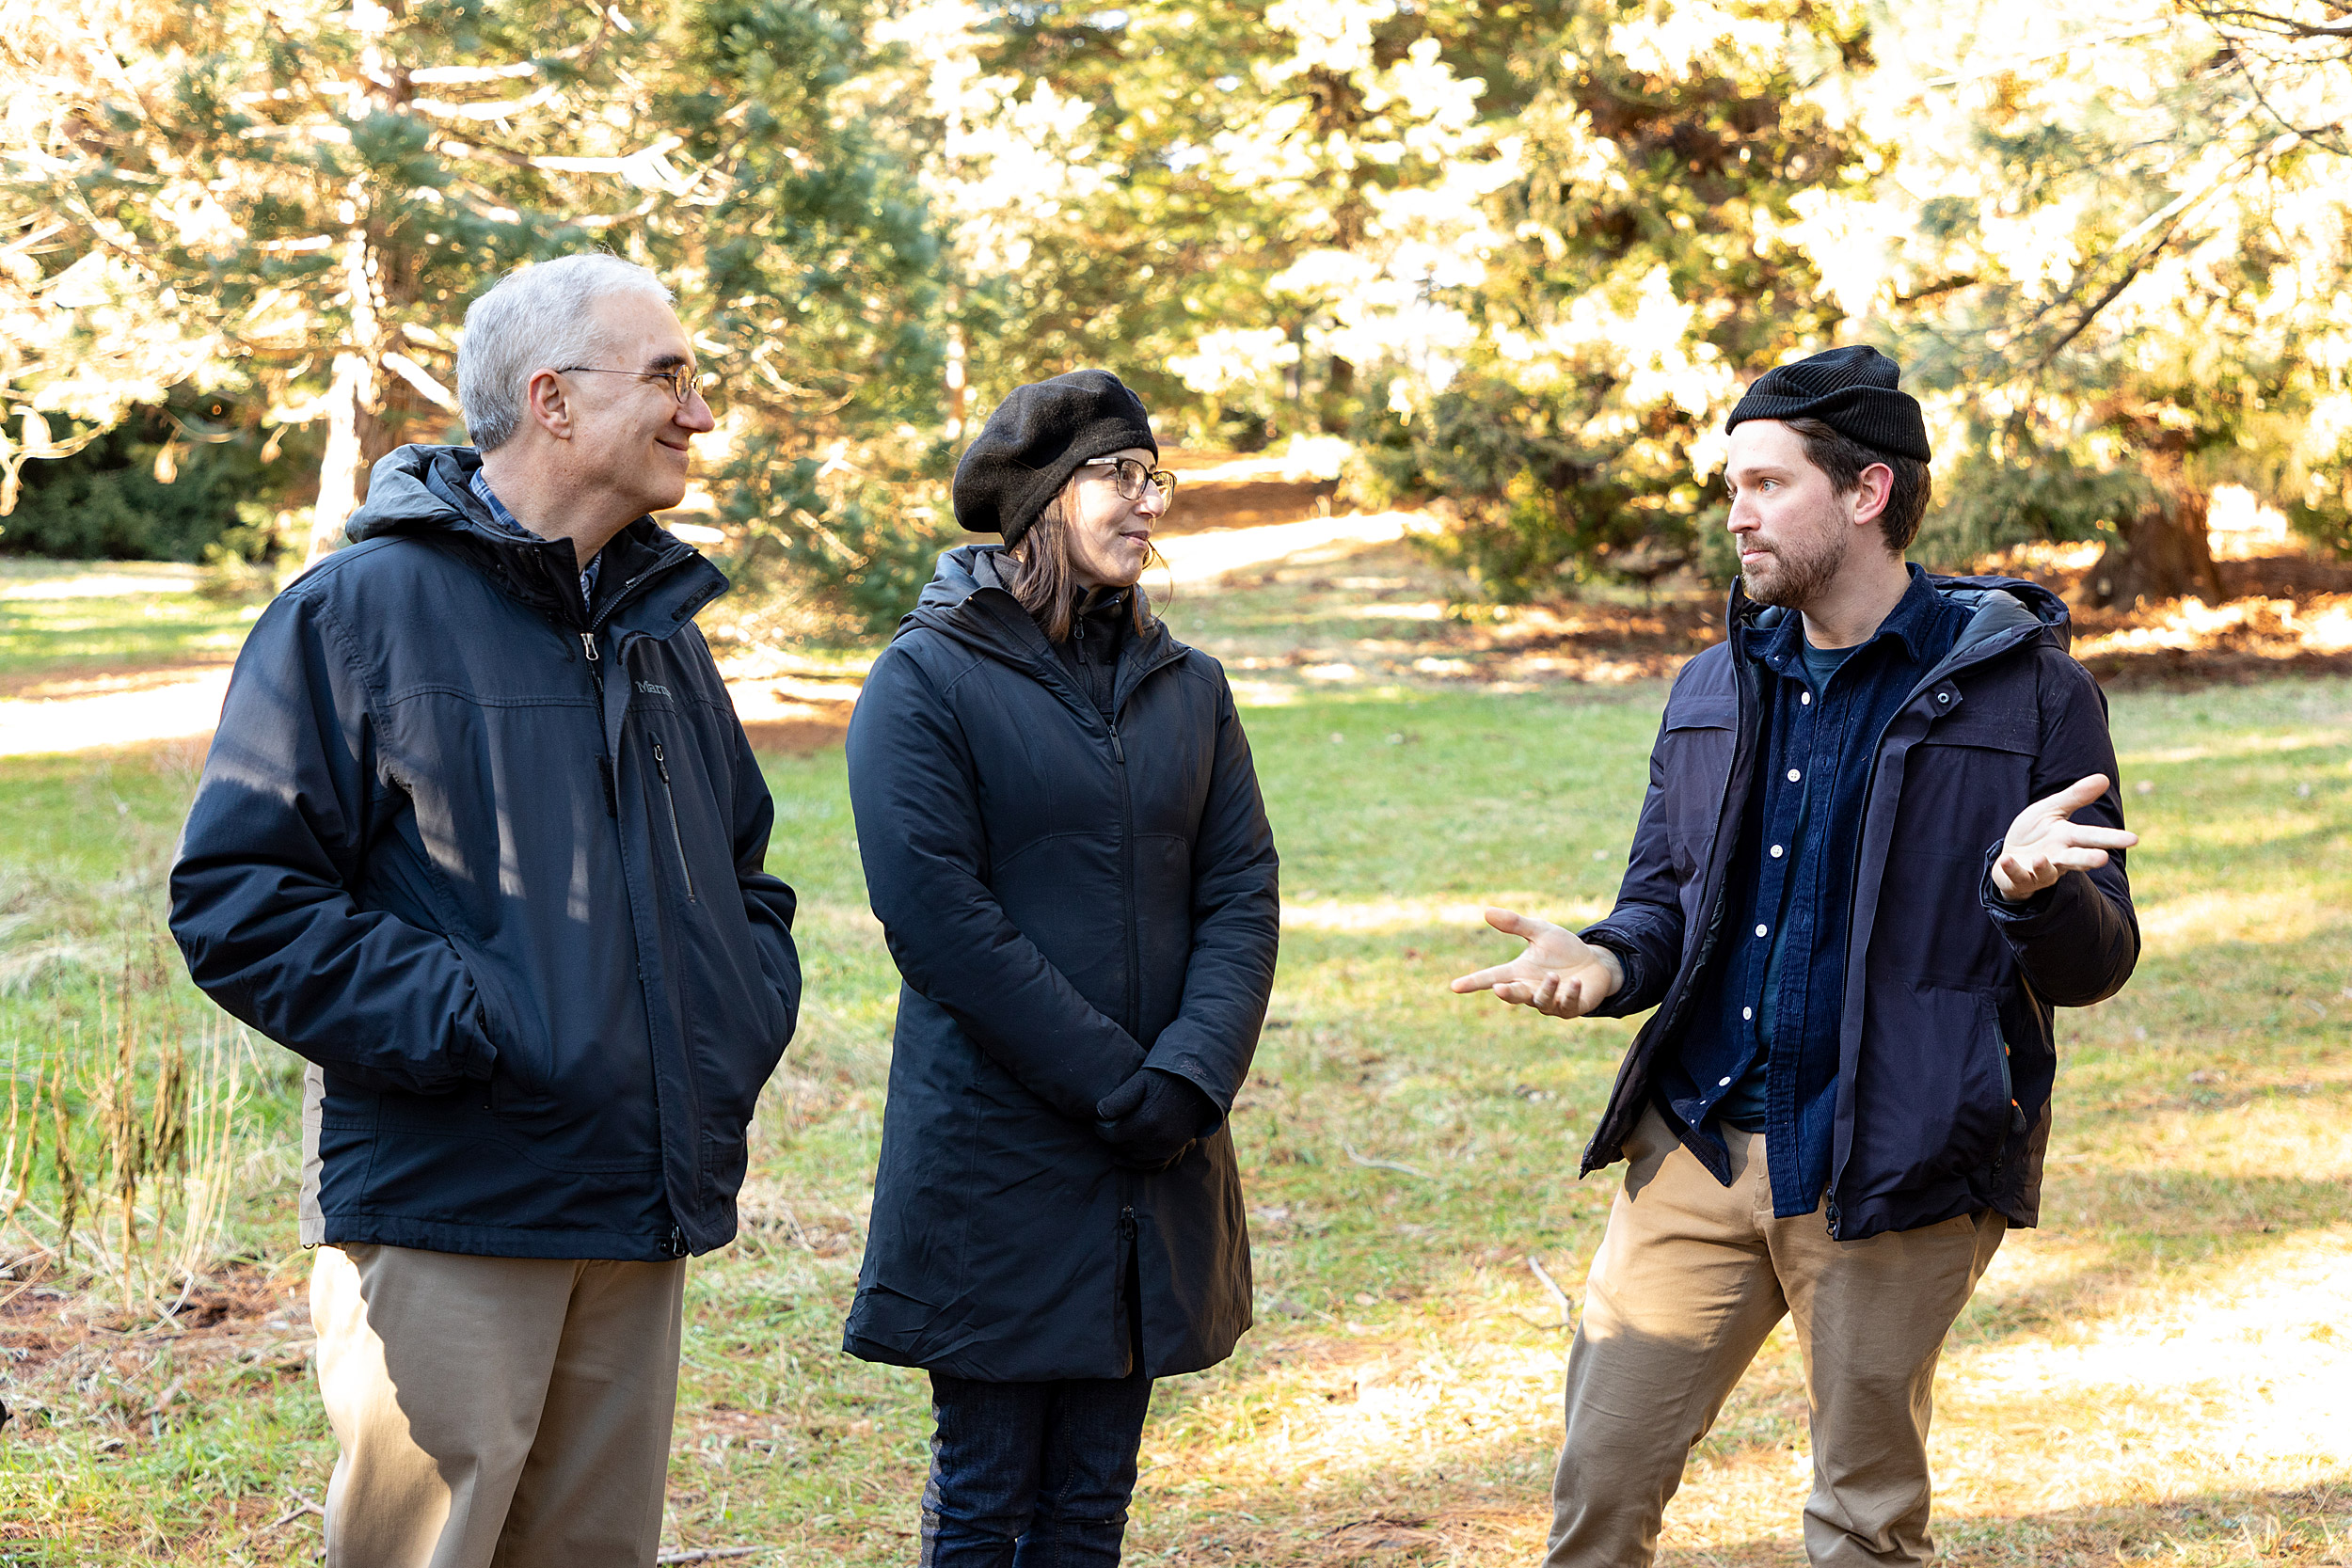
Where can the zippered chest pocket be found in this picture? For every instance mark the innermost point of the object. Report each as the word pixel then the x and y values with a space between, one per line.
pixel 668 804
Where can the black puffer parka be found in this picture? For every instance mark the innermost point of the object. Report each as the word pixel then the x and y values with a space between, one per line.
pixel 1068 898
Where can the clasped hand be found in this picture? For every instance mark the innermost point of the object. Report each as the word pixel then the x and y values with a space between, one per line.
pixel 2043 845
pixel 1559 975
pixel 1154 1118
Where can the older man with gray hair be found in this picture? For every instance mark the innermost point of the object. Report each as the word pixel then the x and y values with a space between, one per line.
pixel 481 838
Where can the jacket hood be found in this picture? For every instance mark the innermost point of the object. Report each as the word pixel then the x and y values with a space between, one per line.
pixel 968 598
pixel 426 492
pixel 418 489
pixel 962 572
pixel 2005 603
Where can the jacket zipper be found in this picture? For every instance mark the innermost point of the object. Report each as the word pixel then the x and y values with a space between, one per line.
pixel 1127 882
pixel 669 798
pixel 604 755
pixel 1862 829
pixel 1049 672
pixel 675 1242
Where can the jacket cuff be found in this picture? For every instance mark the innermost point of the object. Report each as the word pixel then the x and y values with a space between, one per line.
pixel 1188 1068
pixel 1626 999
pixel 2010 910
pixel 1209 1102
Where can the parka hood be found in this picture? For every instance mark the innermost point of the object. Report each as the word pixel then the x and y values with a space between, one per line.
pixel 2006 604
pixel 969 599
pixel 426 492
pixel 962 572
pixel 421 489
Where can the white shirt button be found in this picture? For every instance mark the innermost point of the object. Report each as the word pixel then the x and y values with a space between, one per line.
pixel 1776 851
pixel 1747 1012
pixel 1794 775
pixel 1723 1083
pixel 1759 930
pixel 1806 698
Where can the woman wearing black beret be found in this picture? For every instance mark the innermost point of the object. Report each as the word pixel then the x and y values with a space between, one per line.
pixel 1064 841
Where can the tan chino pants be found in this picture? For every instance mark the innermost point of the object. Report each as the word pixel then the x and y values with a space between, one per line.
pixel 1689 1278
pixel 495 1412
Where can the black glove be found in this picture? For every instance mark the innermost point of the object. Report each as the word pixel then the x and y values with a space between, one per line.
pixel 1154 1117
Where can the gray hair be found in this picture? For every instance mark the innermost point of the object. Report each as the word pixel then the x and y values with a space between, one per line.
pixel 537 317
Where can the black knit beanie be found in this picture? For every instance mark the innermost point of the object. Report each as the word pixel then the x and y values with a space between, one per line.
pixel 1035 442
pixel 1849 389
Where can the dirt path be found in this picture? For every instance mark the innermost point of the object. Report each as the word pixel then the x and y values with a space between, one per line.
pixel 84 712
pixel 1347 599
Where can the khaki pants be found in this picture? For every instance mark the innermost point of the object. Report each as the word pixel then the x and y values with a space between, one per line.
pixel 495 1412
pixel 1689 1278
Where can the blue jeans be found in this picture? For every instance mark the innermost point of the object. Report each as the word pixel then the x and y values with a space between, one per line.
pixel 1033 1475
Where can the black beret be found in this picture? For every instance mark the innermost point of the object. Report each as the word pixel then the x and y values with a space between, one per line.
pixel 1035 442
pixel 1849 389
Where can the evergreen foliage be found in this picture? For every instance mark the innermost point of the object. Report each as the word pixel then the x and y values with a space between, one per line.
pixel 1521 253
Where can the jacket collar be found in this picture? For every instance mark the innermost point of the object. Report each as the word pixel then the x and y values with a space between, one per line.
pixel 651 580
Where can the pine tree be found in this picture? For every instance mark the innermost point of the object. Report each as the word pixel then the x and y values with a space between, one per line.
pixel 1636 270
pixel 312 192
pixel 2115 251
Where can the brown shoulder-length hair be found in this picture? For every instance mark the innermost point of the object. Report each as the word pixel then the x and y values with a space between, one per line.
pixel 1045 580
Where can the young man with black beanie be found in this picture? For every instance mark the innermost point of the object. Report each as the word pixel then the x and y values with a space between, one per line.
pixel 1882 839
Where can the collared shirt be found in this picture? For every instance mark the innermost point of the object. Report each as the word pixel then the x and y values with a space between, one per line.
pixel 1762 1047
pixel 506 520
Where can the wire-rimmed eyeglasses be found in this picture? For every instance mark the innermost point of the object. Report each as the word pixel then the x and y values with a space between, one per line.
pixel 683 383
pixel 1131 477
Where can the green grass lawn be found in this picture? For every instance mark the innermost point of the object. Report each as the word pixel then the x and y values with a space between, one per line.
pixel 85 618
pixel 1397 1402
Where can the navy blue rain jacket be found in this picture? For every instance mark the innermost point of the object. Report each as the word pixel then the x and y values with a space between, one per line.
pixel 494 863
pixel 1946 1046
pixel 1068 899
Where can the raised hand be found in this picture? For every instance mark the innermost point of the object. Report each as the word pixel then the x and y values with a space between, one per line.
pixel 2043 845
pixel 1558 975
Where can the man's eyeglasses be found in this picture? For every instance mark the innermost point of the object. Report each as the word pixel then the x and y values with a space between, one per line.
pixel 1131 477
pixel 683 383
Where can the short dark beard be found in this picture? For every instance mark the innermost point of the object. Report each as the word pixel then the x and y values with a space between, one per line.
pixel 1801 578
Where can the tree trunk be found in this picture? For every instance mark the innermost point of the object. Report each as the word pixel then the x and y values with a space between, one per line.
pixel 343 471
pixel 956 387
pixel 2159 554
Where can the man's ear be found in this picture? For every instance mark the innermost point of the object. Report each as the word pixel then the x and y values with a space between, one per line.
pixel 550 403
pixel 1871 493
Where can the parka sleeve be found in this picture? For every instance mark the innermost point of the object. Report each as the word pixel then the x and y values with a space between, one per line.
pixel 2078 938
pixel 260 900
pixel 768 902
pixel 1236 926
pixel 1644 929
pixel 915 796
